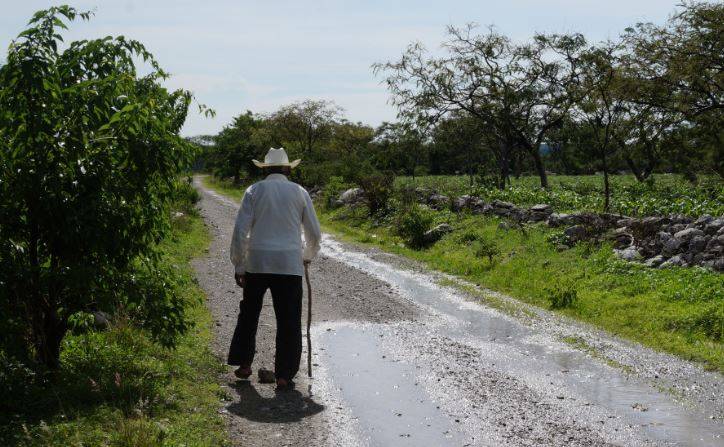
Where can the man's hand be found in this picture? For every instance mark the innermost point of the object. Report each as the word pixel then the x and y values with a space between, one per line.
pixel 240 279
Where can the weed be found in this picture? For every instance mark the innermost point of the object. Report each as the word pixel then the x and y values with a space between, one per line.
pixel 411 225
pixel 561 296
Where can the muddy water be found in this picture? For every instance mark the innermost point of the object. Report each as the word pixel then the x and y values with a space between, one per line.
pixel 390 406
pixel 393 410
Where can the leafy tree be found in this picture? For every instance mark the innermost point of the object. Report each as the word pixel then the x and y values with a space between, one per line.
pixel 519 93
pixel 469 79
pixel 680 70
pixel 601 108
pixel 238 144
pixel 544 80
pixel 306 124
pixel 89 153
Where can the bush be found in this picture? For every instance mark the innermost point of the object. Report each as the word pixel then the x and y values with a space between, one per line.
pixel 378 189
pixel 334 187
pixel 486 248
pixel 185 197
pixel 561 296
pixel 412 224
pixel 90 157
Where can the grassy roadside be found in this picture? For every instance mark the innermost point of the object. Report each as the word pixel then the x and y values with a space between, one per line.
pixel 118 388
pixel 223 187
pixel 677 310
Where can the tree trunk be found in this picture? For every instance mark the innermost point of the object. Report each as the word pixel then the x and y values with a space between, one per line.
pixel 504 165
pixel 49 338
pixel 606 186
pixel 540 168
pixel 636 171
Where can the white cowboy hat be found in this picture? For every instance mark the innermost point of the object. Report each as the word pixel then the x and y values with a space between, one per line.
pixel 276 157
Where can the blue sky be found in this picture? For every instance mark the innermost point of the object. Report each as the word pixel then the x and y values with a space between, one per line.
pixel 238 55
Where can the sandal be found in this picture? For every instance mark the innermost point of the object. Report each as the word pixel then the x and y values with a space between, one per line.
pixel 284 384
pixel 243 372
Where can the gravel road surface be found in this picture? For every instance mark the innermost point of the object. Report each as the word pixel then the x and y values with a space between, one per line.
pixel 402 357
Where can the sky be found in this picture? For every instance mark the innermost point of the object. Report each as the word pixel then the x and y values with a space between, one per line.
pixel 259 55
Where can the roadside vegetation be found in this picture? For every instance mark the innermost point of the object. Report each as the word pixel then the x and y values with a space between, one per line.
pixel 676 309
pixel 115 385
pixel 659 195
pixel 104 337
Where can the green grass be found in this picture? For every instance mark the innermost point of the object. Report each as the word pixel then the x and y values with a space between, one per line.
pixel 225 187
pixel 676 310
pixel 118 388
pixel 662 194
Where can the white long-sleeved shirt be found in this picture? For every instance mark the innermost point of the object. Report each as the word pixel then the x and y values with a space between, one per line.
pixel 268 232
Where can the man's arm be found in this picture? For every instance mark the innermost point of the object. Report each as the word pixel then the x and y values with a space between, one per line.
pixel 240 237
pixel 312 231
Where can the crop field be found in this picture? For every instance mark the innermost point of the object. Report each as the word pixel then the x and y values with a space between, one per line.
pixel 661 195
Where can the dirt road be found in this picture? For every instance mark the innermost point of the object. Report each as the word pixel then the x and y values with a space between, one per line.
pixel 402 360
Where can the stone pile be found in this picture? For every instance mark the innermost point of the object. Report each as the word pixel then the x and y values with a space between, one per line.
pixel 674 240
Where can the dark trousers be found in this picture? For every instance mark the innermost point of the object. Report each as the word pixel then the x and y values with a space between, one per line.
pixel 286 291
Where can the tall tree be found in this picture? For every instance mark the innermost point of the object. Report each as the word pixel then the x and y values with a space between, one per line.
pixel 89 153
pixel 544 78
pixel 601 107
pixel 519 93
pixel 680 69
pixel 306 124
pixel 238 144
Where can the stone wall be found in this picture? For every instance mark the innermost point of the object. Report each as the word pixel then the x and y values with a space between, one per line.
pixel 658 241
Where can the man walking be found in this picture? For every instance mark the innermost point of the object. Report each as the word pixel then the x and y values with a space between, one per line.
pixel 268 253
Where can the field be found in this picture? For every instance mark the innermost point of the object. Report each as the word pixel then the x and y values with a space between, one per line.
pixel 663 194
pixel 117 387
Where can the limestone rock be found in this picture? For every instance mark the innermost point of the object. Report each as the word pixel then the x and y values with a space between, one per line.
pixel 435 234
pixel 688 233
pixel 351 196
pixel 629 254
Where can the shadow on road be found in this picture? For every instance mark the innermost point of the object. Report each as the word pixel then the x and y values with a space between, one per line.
pixel 284 407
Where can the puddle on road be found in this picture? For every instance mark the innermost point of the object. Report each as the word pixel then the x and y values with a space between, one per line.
pixel 533 358
pixel 382 395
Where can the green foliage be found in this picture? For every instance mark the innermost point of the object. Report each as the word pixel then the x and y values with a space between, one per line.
pixel 411 224
pixel 334 187
pixel 119 387
pixel 378 189
pixel 486 248
pixel 234 148
pixel 661 195
pixel 562 295
pixel 89 154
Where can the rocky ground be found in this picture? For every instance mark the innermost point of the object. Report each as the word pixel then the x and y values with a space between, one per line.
pixel 402 360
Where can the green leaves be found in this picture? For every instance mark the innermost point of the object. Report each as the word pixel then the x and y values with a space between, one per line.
pixel 89 153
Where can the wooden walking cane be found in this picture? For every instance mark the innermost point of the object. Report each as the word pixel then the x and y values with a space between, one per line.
pixel 309 320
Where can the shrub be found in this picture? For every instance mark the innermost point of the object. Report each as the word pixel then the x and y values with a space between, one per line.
pixel 185 197
pixel 88 166
pixel 486 248
pixel 411 225
pixel 378 189
pixel 561 296
pixel 334 187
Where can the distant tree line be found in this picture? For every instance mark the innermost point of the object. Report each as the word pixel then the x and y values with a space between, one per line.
pixel 649 101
